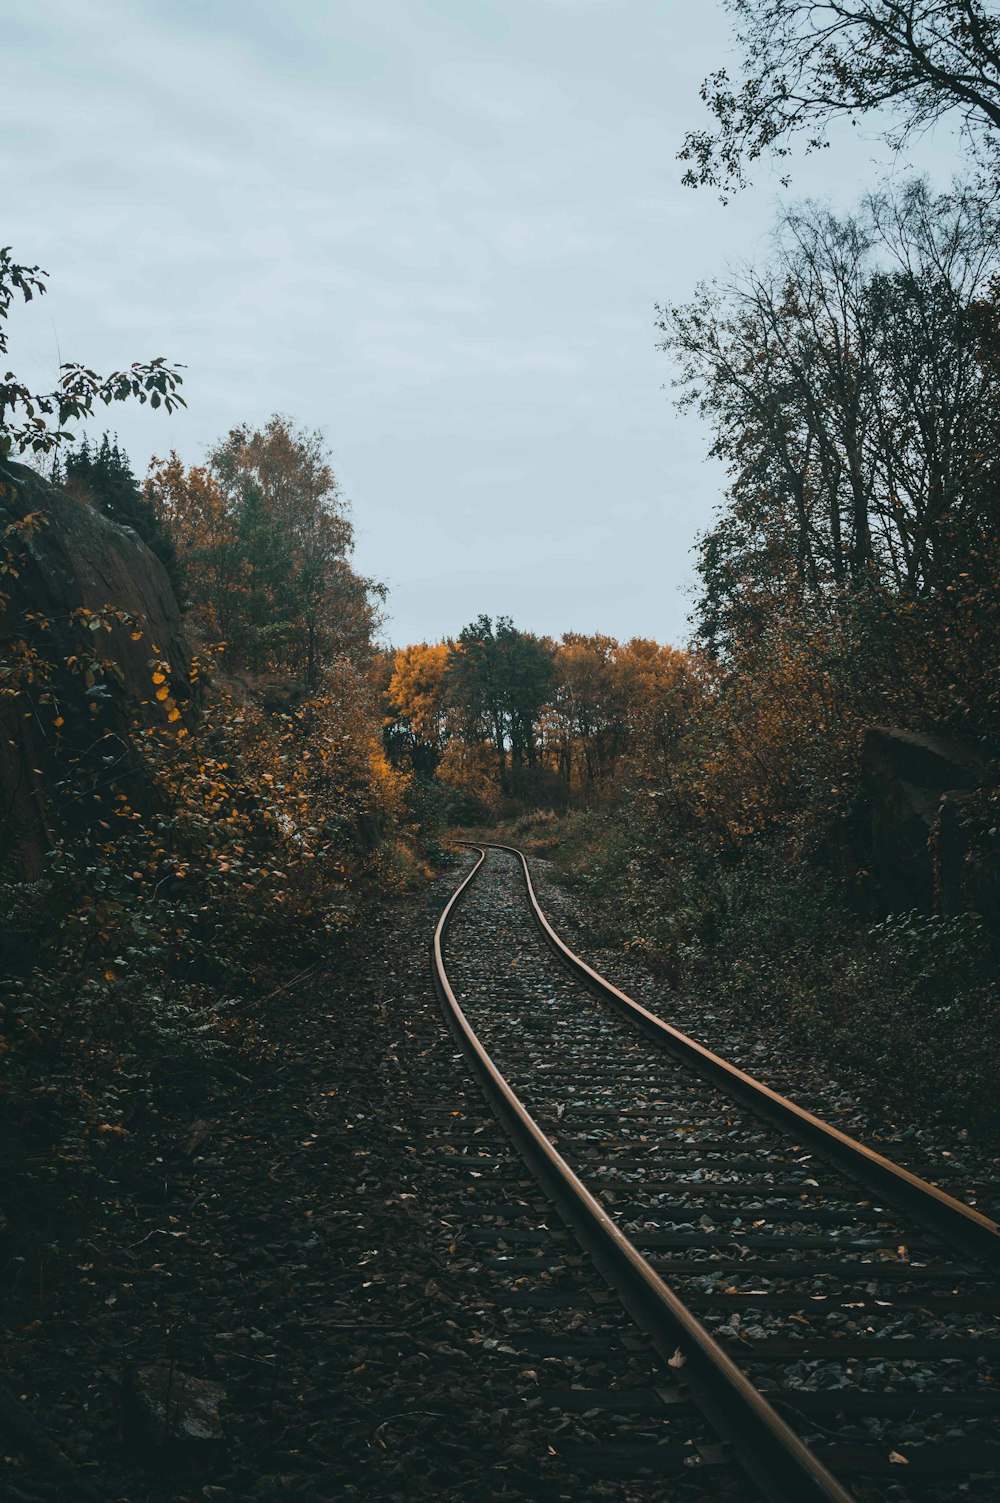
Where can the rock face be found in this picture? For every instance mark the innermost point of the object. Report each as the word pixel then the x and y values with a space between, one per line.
pixel 278 696
pixel 164 1408
pixel 55 778
pixel 915 791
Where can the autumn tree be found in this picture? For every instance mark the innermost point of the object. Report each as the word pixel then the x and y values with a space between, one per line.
pixel 308 605
pixel 658 689
pixel 587 714
pixel 194 510
pixel 266 536
pixel 806 65
pixel 416 722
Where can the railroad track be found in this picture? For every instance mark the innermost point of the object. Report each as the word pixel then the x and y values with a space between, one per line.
pixel 831 1315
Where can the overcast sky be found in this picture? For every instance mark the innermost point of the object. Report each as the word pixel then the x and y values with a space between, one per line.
pixel 434 228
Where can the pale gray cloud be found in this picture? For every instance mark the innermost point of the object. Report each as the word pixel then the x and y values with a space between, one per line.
pixel 435 228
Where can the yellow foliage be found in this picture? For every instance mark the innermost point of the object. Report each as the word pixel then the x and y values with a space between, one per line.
pixel 415 688
pixel 469 768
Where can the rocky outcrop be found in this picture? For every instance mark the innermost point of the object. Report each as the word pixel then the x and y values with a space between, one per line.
pixel 70 690
pixel 919 814
pixel 165 1409
pixel 277 695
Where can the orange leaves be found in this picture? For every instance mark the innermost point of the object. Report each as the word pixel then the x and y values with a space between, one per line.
pixel 415 688
pixel 616 703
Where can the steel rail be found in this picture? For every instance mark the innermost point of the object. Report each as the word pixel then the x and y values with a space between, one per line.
pixel 959 1224
pixel 767 1447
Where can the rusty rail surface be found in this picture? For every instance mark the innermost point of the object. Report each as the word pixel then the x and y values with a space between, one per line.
pixel 961 1225
pixel 784 1468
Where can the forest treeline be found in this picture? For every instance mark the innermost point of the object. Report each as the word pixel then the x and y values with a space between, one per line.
pixel 502 714
pixel 852 384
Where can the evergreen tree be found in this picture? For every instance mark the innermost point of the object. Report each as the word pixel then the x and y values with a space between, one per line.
pixel 106 475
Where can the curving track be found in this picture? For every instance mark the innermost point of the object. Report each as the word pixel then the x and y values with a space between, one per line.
pixel 832 1316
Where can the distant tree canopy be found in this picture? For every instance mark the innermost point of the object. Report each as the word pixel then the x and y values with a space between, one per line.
pixel 808 64
pixel 264 538
pixel 614 703
pixel 505 710
pixel 105 475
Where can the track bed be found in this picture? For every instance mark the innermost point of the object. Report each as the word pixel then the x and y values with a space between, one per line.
pixel 864 1324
